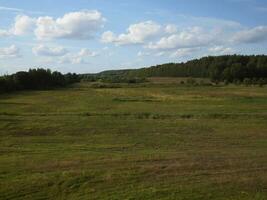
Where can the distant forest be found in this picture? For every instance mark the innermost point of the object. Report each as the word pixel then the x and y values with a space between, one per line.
pixel 230 68
pixel 36 79
pixel 220 68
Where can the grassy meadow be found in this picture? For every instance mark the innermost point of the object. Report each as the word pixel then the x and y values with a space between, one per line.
pixel 146 141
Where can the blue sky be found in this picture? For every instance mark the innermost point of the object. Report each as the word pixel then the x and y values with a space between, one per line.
pixel 95 35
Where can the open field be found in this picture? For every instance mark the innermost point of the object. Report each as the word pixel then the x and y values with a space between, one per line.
pixel 149 141
pixel 174 80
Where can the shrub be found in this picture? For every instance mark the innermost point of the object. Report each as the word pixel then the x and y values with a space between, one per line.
pixel 247 81
pixel 191 81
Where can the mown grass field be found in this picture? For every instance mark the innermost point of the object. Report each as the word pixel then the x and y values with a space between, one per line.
pixel 149 141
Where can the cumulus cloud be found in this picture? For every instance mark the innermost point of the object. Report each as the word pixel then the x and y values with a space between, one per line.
pixel 253 35
pixel 79 25
pixel 136 34
pixel 23 25
pixel 9 52
pixel 78 58
pixel 86 52
pixel 5 33
pixel 171 28
pixel 188 38
pixel 108 37
pixel 62 55
pixel 75 25
pixel 42 50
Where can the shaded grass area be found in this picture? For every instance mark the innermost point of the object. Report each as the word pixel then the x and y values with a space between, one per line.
pixel 145 142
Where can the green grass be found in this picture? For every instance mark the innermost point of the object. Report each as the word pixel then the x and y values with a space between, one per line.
pixel 148 141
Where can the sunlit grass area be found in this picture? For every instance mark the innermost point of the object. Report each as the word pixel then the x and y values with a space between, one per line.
pixel 155 140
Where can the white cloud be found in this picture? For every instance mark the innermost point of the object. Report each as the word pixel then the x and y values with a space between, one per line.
pixel 5 33
pixel 42 50
pixel 171 29
pixel 10 9
pixel 254 35
pixel 221 50
pixel 87 53
pixel 18 10
pixel 108 37
pixel 188 38
pixel 71 59
pixel 23 25
pixel 75 25
pixel 180 53
pixel 142 54
pixel 214 22
pixel 62 55
pixel 149 53
pixel 78 58
pixel 9 52
pixel 136 34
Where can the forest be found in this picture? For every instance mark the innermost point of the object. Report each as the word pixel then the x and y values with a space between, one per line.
pixel 230 68
pixel 36 79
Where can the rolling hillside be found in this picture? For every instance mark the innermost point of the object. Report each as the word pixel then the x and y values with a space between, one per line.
pixel 229 68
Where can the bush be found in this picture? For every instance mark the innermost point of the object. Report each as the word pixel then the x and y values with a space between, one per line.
pixel 261 82
pixel 226 82
pixel 247 81
pixel 120 79
pixel 191 81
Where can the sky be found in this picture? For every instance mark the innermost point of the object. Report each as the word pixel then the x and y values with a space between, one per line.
pixel 88 36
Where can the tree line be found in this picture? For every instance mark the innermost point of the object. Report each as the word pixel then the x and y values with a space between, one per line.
pixel 36 79
pixel 229 68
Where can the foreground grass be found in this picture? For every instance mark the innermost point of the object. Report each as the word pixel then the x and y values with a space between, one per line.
pixel 146 142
